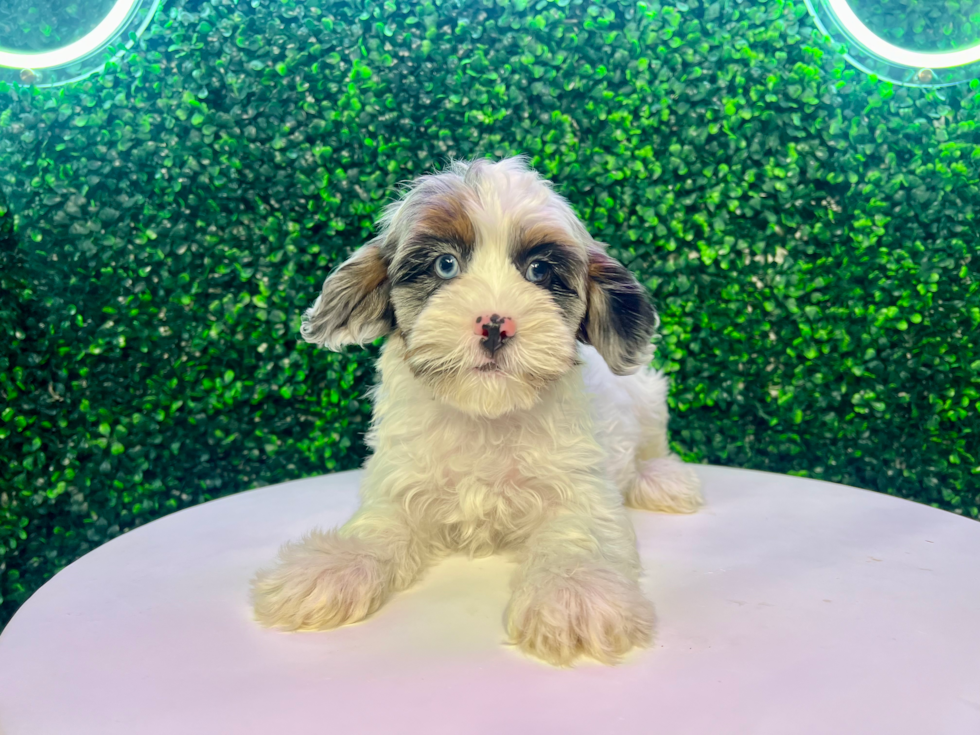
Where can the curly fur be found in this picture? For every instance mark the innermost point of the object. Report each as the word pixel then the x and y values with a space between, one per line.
pixel 532 452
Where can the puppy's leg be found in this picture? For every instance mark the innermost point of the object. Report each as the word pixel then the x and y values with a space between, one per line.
pixel 332 578
pixel 577 592
pixel 661 481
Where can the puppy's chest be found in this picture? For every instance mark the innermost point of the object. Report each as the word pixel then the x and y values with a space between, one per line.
pixel 495 482
pixel 485 483
pixel 487 510
pixel 492 481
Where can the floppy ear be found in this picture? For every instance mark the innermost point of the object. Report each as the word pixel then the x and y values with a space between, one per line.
pixel 619 320
pixel 354 306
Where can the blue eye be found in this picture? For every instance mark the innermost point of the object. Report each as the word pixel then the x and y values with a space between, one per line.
pixel 447 266
pixel 537 272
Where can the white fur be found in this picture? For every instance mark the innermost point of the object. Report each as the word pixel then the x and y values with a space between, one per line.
pixel 505 462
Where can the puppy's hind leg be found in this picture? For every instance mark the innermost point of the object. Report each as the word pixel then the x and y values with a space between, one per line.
pixel 662 482
pixel 332 578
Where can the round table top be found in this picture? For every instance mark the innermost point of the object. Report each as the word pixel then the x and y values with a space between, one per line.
pixel 785 605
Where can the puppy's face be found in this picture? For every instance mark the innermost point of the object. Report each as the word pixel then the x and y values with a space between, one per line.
pixel 491 280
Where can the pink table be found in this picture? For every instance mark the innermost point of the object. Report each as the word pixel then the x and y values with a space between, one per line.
pixel 785 606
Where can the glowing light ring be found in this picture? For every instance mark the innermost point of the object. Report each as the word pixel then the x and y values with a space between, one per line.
pixel 874 55
pixel 81 58
pixel 85 45
pixel 889 52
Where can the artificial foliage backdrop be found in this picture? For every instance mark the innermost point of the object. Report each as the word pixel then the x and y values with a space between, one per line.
pixel 808 236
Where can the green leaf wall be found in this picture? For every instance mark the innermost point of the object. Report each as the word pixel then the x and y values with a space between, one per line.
pixel 808 236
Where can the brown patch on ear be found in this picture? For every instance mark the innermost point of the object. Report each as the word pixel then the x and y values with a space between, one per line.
pixel 619 320
pixel 373 269
pixel 354 306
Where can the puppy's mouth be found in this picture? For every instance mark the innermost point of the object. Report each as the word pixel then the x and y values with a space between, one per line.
pixel 489 367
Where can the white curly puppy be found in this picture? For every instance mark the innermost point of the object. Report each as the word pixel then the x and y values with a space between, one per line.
pixel 514 413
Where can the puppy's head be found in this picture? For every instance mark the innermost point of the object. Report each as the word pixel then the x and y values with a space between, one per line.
pixel 491 279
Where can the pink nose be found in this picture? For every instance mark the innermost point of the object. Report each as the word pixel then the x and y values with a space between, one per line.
pixel 495 330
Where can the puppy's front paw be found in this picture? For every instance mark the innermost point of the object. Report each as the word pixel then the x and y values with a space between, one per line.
pixel 589 611
pixel 320 582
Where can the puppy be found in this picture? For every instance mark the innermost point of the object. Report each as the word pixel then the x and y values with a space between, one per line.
pixel 515 413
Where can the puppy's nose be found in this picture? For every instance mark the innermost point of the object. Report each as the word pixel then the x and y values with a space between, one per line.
pixel 495 330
